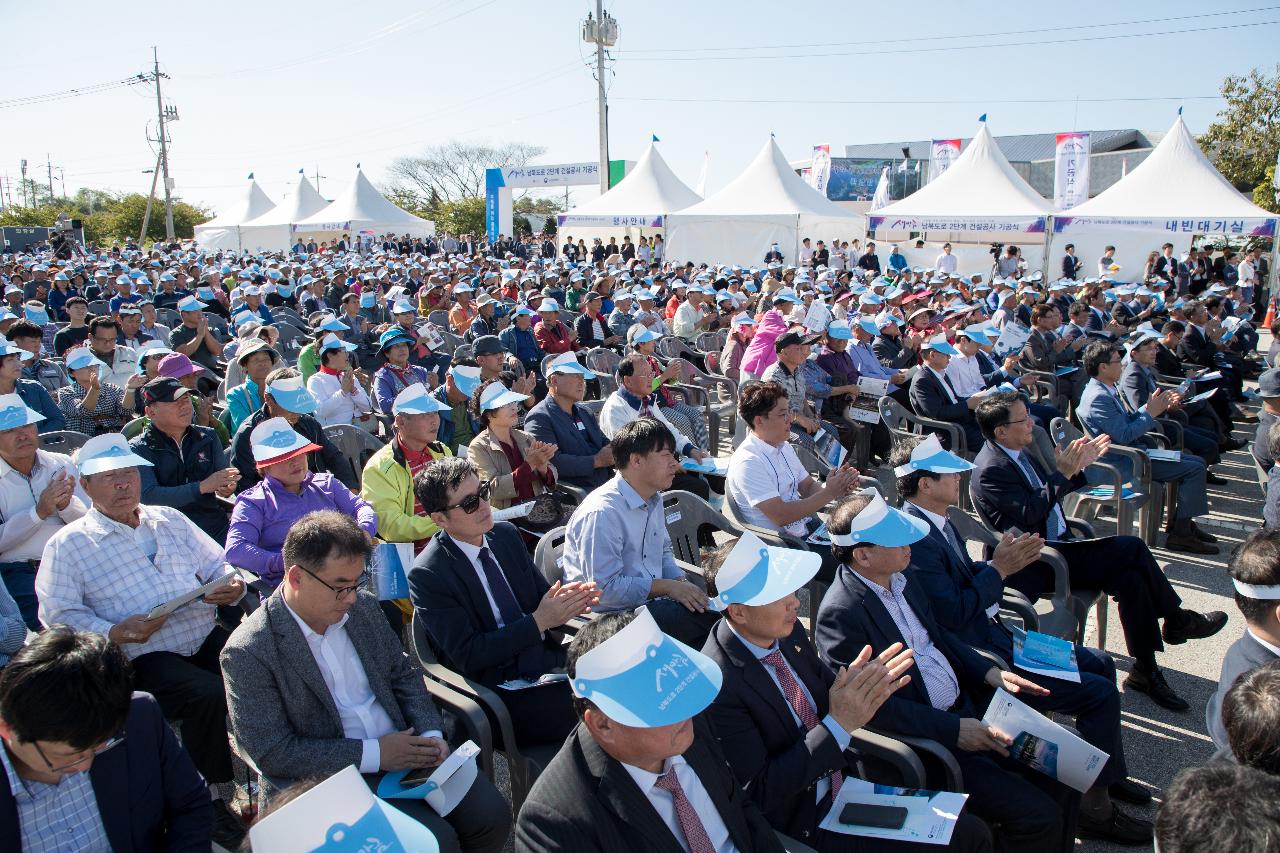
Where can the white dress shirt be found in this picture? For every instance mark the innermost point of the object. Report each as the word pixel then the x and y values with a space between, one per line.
pixel 946 386
pixel 23 533
pixel 842 737
pixel 946 262
pixel 966 375
pixel 758 471
pixel 1016 456
pixel 333 405
pixel 940 522
pixel 695 792
pixel 472 553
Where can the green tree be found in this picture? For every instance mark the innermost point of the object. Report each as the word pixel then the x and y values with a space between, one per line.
pixel 1244 139
pixel 464 216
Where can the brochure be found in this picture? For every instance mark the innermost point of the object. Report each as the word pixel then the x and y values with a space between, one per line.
pixel 1045 655
pixel 1043 745
pixel 389 565
pixel 513 512
pixel 1110 491
pixel 819 536
pixel 873 387
pixel 187 597
pixel 709 465
pixel 525 684
pixel 1161 454
pixel 1207 377
pixel 1205 396
pixel 1012 339
pixel 931 815
pixel 444 788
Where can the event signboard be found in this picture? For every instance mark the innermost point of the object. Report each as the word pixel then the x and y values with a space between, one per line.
pixel 942 153
pixel 1071 169
pixel 1251 227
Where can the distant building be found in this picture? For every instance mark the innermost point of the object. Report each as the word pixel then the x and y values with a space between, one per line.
pixel 854 176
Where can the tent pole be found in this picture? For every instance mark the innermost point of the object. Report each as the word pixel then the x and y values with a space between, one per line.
pixel 1048 247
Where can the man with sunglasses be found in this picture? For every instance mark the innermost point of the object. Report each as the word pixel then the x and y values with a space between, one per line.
pixel 86 763
pixel 316 681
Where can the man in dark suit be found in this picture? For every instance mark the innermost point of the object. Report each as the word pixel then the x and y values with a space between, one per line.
pixel 1011 489
pixel 784 719
pixel 965 596
pixel 1070 263
pixel 1232 387
pixel 1202 345
pixel 583 455
pixel 1255 573
pixel 1203 433
pixel 1046 352
pixel 872 603
pixel 316 681
pixel 933 396
pixel 489 612
pixel 110 772
pixel 647 774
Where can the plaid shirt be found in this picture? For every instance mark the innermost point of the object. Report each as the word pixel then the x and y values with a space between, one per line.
pixel 53 818
pixel 94 574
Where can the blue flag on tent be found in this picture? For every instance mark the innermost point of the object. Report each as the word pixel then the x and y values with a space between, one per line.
pixel 982 117
pixel 655 137
pixel 357 165
pixel 1179 110
pixel 251 176
pixel 301 171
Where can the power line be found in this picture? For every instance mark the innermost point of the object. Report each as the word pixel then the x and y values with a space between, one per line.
pixel 93 89
pixel 754 57
pixel 913 39
pixel 937 102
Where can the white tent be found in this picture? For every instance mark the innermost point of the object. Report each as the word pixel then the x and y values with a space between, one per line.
pixel 1175 189
pixel 270 231
pixel 361 208
pixel 223 231
pixel 768 203
pixel 979 192
pixel 638 205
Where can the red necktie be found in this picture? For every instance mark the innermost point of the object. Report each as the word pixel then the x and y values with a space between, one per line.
pixel 695 834
pixel 801 705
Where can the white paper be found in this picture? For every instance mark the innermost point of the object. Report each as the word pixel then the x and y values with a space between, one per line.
pixel 187 597
pixel 820 536
pixel 931 815
pixel 512 512
pixel 874 387
pixel 1043 745
pixel 817 318
pixel 1207 377
pixel 1161 454
pixel 1012 339
pixel 1205 396
pixel 862 415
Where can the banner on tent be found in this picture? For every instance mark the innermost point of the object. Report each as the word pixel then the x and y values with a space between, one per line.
pixel 606 221
pixel 820 171
pixel 942 153
pixel 1006 224
pixel 1071 171
pixel 563 175
pixel 1239 227
pixel 320 226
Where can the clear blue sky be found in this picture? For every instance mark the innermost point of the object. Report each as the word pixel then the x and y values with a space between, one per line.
pixel 270 87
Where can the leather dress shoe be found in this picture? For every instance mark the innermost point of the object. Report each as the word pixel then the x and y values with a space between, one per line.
pixel 1118 828
pixel 1129 791
pixel 1154 685
pixel 1190 625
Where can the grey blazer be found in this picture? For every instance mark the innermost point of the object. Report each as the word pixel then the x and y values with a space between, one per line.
pixel 283 716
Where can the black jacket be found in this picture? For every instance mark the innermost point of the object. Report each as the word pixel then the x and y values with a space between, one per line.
pixel 327 460
pixel 447 593
pixel 173 478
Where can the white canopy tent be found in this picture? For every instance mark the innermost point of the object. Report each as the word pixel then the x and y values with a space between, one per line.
pixel 223 231
pixel 637 206
pixel 768 203
pixel 1175 189
pixel 271 231
pixel 361 208
pixel 979 192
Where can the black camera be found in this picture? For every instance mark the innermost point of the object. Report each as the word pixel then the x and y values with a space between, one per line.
pixel 996 249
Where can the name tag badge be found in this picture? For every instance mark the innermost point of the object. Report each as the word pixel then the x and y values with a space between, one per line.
pixel 581 426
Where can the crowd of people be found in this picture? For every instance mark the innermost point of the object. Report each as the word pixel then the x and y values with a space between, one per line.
pixel 188 591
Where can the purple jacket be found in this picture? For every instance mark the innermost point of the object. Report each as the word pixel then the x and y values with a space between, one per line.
pixel 265 511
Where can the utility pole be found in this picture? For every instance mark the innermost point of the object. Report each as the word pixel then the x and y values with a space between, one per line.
pixel 24 184
pixel 602 31
pixel 62 180
pixel 48 163
pixel 146 216
pixel 318 177
pixel 163 114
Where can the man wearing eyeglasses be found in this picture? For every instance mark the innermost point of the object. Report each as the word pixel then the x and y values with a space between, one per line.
pixel 316 681
pixel 86 763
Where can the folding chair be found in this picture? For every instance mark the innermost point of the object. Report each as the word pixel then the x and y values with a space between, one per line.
pixel 723 407
pixel 546 556
pixel 604 362
pixel 707 342
pixel 439 317
pixel 523 768
pixel 63 441
pixel 1157 496
pixel 686 514
pixel 781 539
pixel 356 444
pixel 907 425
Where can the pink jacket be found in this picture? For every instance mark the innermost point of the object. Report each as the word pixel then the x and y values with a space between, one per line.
pixel 760 352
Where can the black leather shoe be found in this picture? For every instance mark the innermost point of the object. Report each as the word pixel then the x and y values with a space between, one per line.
pixel 1118 828
pixel 1248 418
pixel 1190 625
pixel 1232 444
pixel 1154 685
pixel 1214 480
pixel 1188 542
pixel 1129 791
pixel 1201 533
